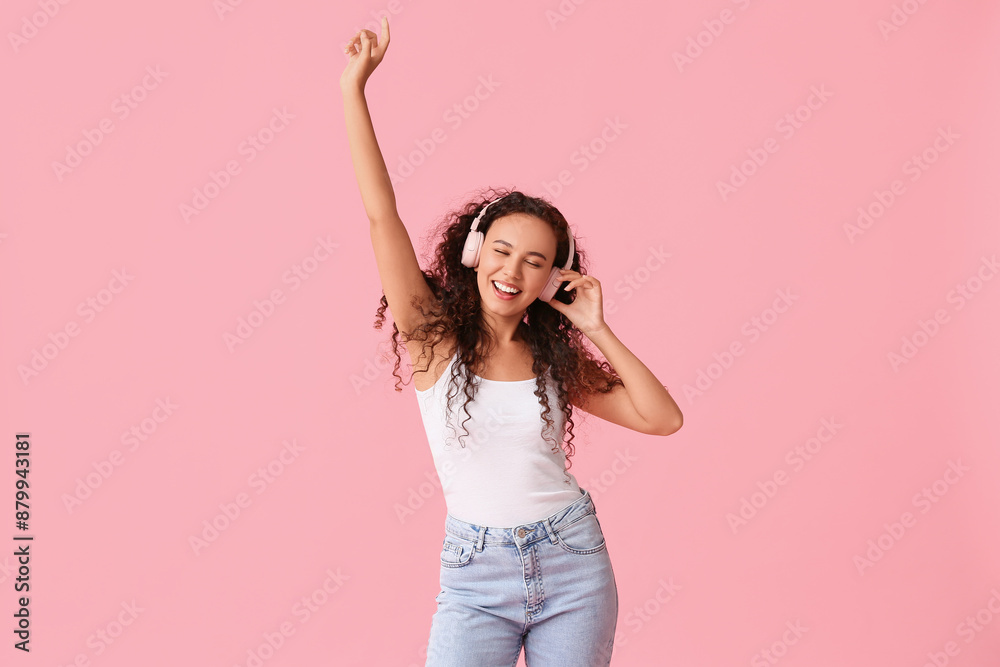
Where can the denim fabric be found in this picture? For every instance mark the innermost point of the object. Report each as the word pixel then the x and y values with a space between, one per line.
pixel 547 586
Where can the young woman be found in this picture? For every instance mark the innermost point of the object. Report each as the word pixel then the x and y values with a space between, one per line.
pixel 500 319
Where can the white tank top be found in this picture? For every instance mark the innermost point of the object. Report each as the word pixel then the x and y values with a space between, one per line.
pixel 506 475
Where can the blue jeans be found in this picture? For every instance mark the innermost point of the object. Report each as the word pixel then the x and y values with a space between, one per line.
pixel 546 585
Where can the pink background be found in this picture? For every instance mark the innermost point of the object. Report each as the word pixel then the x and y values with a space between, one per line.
pixel 314 371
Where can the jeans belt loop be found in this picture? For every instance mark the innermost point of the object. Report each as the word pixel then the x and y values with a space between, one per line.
pixel 549 530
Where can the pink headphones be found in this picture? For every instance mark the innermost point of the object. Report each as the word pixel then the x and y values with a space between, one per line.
pixel 474 246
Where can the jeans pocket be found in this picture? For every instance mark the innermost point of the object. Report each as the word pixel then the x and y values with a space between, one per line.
pixel 456 552
pixel 583 536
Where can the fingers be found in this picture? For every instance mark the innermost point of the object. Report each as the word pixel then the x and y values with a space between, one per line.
pixel 379 45
pixel 354 45
pixel 367 42
pixel 384 41
pixel 575 278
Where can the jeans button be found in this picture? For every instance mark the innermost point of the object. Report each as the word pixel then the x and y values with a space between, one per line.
pixel 520 533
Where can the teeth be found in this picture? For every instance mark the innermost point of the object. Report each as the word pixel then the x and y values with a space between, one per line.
pixel 503 288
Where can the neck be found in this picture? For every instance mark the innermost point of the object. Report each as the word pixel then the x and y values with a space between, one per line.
pixel 505 332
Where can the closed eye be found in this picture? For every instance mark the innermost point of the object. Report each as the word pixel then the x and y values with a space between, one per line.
pixel 529 263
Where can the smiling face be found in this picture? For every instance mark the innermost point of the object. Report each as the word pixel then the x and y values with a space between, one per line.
pixel 518 252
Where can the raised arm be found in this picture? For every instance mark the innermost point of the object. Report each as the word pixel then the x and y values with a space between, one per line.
pixel 397 263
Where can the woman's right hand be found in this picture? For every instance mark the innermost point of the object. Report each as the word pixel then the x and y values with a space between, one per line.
pixel 364 53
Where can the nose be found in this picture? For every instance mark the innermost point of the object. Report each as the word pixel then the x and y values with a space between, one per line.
pixel 510 268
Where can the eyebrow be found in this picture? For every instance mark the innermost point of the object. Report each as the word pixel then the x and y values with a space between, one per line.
pixel 530 252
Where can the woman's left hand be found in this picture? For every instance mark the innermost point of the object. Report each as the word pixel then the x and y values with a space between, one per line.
pixel 587 310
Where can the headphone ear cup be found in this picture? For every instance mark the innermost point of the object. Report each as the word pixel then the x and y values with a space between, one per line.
pixel 473 246
pixel 552 286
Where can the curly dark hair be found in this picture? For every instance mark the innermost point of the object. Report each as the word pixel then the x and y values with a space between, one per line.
pixel 556 345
